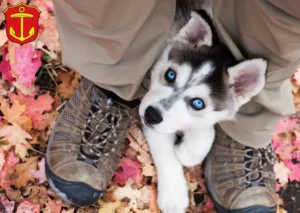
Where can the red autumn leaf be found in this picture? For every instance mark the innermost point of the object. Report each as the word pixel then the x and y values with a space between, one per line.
pixel 131 169
pixel 5 68
pixel 28 62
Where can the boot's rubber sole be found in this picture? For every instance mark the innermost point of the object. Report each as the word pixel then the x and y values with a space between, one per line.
pixel 76 193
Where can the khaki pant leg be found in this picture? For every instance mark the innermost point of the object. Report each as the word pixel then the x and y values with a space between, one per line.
pixel 270 29
pixel 113 42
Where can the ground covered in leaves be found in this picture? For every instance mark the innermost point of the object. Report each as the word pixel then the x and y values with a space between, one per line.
pixel 34 87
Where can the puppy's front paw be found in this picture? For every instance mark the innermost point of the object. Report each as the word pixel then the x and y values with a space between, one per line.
pixel 173 196
pixel 186 157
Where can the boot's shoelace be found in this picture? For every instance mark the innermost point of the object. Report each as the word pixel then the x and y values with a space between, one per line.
pixel 264 158
pixel 107 118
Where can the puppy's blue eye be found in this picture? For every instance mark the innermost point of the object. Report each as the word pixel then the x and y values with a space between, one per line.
pixel 197 104
pixel 170 76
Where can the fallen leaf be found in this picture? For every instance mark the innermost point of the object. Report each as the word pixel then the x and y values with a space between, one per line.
pixel 281 172
pixel 148 170
pixel 15 136
pixel 139 144
pixel 41 104
pixel 35 194
pixel 14 2
pixel 32 90
pixel 67 82
pixel 294 171
pixel 48 120
pixel 138 197
pixel 49 35
pixel 10 160
pixel 8 205
pixel 22 174
pixel 14 194
pixel 14 113
pixel 3 37
pixel 28 62
pixel 71 210
pixel 296 76
pixel 40 174
pixel 28 207
pixel 110 207
pixel 35 108
pixel 2 158
pixel 131 169
pixel 11 55
pixel 209 205
pixel 5 67
pixel 280 210
pixel 195 175
pixel 54 208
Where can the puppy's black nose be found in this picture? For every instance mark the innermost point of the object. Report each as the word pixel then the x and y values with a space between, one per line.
pixel 153 116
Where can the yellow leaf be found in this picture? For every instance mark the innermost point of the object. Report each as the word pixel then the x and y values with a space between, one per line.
pixel 22 174
pixel 13 114
pixel 15 136
pixel 110 207
pixel 280 210
pixel 148 170
pixel 68 82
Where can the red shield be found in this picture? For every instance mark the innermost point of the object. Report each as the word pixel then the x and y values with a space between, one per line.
pixel 22 23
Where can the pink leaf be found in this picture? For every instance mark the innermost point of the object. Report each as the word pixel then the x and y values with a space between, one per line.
pixel 5 68
pixel 28 62
pixel 35 107
pixel 295 171
pixel 8 205
pixel 287 124
pixel 209 205
pixel 54 208
pixel 28 207
pixel 40 173
pixel 283 149
pixel 2 159
pixel 297 76
pixel 42 104
pixel 10 160
pixel 131 169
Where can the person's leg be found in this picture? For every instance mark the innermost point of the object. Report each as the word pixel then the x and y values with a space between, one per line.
pixel 112 43
pixel 239 168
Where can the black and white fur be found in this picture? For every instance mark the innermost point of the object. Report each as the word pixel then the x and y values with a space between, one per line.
pixel 206 69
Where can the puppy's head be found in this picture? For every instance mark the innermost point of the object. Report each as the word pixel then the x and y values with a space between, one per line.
pixel 196 81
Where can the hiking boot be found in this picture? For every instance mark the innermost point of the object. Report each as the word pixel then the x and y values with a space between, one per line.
pixel 240 178
pixel 86 143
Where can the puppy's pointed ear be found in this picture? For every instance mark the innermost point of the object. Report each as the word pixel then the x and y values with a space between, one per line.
pixel 247 79
pixel 197 31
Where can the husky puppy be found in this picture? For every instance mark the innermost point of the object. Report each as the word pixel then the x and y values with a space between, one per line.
pixel 195 83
